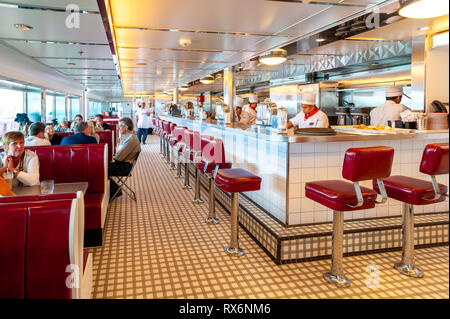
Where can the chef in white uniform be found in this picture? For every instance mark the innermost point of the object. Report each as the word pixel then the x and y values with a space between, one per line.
pixel 310 116
pixel 239 106
pixel 248 115
pixel 389 110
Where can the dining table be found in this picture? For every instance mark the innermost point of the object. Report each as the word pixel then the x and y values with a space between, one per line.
pixel 60 188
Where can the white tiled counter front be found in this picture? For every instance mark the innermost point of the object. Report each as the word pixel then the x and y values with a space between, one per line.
pixel 323 161
pixel 286 162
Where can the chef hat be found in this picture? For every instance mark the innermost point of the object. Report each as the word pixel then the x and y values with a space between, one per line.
pixel 253 98
pixel 239 101
pixel 309 98
pixel 394 91
pixel 267 100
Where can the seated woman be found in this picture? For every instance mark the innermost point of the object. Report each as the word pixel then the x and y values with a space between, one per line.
pixel 23 163
pixel 95 129
pixel 50 134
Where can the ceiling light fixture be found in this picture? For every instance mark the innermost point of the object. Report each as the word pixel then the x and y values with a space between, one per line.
pixel 424 28
pixel 320 39
pixel 23 27
pixel 141 63
pixel 274 57
pixel 207 79
pixel 71 64
pixel 423 9
pixel 184 87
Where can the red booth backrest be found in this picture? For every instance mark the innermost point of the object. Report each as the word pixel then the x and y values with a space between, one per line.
pixel 107 138
pixel 32 198
pixel 64 134
pixel 13 227
pixel 435 159
pixel 367 163
pixel 34 249
pixel 73 163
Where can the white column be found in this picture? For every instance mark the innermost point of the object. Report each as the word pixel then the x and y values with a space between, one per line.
pixel 85 105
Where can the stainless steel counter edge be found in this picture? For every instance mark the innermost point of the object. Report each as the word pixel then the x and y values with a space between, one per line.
pixel 290 137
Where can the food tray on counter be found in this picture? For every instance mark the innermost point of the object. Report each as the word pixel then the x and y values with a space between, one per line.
pixel 372 130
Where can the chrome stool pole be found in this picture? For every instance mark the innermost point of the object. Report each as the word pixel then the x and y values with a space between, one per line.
pixel 407 265
pixel 197 198
pixel 186 175
pixel 167 152
pixel 336 276
pixel 234 249
pixel 212 219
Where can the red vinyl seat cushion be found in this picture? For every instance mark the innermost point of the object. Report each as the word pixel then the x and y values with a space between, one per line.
pixel 234 180
pixel 211 166
pixel 338 194
pixel 410 190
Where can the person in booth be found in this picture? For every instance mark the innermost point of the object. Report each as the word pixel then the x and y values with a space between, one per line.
pixel 310 116
pixel 78 119
pixel 100 123
pixel 24 164
pixel 37 135
pixel 127 151
pixel 50 135
pixel 248 114
pixel 82 135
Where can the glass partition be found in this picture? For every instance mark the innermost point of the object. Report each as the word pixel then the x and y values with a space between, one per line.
pixel 11 103
pixel 49 107
pixel 74 107
pixel 60 107
pixel 34 105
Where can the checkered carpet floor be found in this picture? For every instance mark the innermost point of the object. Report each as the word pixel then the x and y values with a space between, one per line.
pixel 160 247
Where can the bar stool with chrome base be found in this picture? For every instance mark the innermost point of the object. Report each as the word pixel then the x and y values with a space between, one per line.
pixel 192 147
pixel 166 133
pixel 168 137
pixel 360 164
pixel 412 191
pixel 213 157
pixel 236 180
pixel 176 142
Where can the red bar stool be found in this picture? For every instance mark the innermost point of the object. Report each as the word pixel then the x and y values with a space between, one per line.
pixel 412 191
pixel 359 164
pixel 212 156
pixel 177 144
pixel 166 132
pixel 192 148
pixel 234 181
pixel 167 138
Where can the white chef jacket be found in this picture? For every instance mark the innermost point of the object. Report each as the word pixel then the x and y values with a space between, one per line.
pixel 144 119
pixel 248 115
pixel 320 119
pixel 385 112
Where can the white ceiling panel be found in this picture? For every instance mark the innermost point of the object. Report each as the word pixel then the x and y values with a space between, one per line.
pixel 83 63
pixel 51 26
pixel 88 72
pixel 164 64
pixel 252 16
pixel 155 55
pixel 59 50
pixel 61 4
pixel 167 39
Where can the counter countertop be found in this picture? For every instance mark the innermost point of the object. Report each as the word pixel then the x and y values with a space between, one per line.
pixel 266 133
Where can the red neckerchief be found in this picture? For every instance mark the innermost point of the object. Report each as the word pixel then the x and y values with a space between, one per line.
pixel 307 116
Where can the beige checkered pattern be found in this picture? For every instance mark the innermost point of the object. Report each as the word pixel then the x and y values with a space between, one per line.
pixel 160 247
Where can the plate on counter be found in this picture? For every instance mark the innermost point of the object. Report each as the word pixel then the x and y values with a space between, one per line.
pixel 375 130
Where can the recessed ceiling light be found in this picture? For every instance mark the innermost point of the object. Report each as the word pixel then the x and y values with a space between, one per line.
pixel 23 27
pixel 423 9
pixel 320 39
pixel 141 63
pixel 424 28
pixel 374 63
pixel 71 64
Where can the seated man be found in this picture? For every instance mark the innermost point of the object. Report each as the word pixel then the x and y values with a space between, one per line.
pixel 63 126
pixel 81 136
pixel 50 135
pixel 5 190
pixel 78 119
pixel 37 135
pixel 99 122
pixel 127 150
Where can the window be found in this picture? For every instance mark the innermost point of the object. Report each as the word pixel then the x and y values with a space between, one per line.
pixel 49 107
pixel 74 107
pixel 11 103
pixel 60 107
pixel 34 105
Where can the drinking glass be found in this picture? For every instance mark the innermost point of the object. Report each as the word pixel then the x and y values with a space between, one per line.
pixel 8 176
pixel 47 187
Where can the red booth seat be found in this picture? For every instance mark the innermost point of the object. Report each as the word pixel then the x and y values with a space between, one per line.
pixel 41 246
pixel 80 163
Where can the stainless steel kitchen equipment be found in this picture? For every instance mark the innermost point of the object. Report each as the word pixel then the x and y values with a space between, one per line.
pixel 266 113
